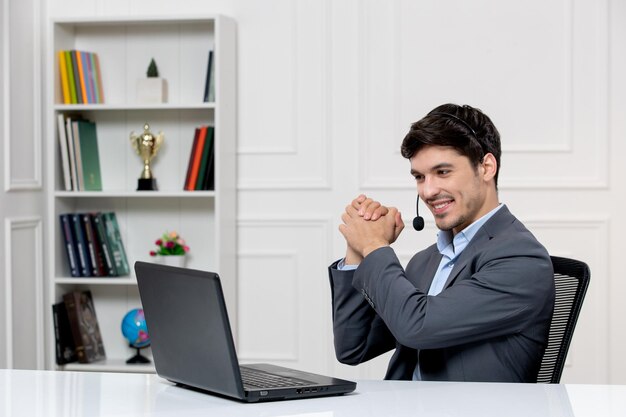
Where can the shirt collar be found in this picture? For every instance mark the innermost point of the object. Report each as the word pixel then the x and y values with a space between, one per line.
pixel 444 237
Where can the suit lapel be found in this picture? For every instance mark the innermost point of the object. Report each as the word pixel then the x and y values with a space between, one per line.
pixel 487 232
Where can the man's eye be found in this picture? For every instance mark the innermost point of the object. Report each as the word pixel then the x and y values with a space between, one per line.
pixel 419 178
pixel 444 171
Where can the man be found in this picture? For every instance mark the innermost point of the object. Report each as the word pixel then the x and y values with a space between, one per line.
pixel 475 306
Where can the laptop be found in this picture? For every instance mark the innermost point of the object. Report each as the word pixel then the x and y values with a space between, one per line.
pixel 192 343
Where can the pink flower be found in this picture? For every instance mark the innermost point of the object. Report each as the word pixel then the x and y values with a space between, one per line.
pixel 170 243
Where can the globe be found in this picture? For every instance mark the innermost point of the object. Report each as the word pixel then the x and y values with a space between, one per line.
pixel 134 329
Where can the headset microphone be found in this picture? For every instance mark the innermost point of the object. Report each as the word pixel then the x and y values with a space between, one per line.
pixel 418 221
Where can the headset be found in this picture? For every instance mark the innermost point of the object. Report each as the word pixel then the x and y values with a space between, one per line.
pixel 418 221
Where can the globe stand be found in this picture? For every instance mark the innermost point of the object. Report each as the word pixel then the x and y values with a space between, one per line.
pixel 138 358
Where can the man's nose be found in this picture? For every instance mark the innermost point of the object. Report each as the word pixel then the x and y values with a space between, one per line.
pixel 429 188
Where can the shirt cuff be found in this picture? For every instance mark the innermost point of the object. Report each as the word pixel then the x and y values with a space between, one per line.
pixel 341 266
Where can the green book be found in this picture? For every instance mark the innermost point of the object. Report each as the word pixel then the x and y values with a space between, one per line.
pixel 115 242
pixel 103 240
pixel 208 180
pixel 89 155
pixel 70 75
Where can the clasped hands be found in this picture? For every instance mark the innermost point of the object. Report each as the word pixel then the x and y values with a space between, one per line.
pixel 367 226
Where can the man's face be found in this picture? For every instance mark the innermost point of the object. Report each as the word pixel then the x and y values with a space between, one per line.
pixel 453 189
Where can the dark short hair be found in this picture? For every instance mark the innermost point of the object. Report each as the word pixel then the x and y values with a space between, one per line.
pixel 464 128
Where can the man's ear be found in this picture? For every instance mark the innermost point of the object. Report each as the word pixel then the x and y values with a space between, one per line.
pixel 489 167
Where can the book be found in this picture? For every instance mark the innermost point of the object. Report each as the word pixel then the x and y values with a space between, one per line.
pixel 83 76
pixel 207 82
pixel 94 77
pixel 212 83
pixel 64 151
pixel 95 253
pixel 84 259
pixel 78 161
pixel 209 178
pixel 89 156
pixel 197 157
pixel 77 75
pixel 90 80
pixel 69 132
pixel 65 348
pixel 65 88
pixel 204 160
pixel 112 229
pixel 98 78
pixel 97 221
pixel 70 244
pixel 83 61
pixel 187 185
pixel 70 77
pixel 83 321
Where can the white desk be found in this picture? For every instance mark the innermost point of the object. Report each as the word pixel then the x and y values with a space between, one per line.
pixel 86 394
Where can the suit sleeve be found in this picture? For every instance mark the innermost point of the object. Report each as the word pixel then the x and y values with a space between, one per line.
pixel 359 333
pixel 502 291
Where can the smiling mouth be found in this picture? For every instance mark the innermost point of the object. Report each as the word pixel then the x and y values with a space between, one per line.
pixel 441 206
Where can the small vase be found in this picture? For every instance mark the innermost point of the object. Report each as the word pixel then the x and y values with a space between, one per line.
pixel 172 260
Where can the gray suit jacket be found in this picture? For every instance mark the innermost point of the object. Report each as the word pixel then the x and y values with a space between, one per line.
pixel 490 322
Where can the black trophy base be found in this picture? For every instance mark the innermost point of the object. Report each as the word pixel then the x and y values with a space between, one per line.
pixel 147 184
pixel 138 358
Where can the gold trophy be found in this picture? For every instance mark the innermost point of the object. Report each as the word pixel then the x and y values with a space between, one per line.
pixel 147 146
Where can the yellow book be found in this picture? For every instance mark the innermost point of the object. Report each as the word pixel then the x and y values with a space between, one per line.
pixel 65 89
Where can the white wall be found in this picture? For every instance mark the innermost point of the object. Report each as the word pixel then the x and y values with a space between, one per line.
pixel 21 187
pixel 326 91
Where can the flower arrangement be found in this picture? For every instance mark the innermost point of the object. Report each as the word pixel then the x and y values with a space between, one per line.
pixel 170 244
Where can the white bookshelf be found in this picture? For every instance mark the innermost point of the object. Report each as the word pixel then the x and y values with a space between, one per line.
pixel 206 219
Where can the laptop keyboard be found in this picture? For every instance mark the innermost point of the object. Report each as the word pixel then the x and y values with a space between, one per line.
pixel 253 378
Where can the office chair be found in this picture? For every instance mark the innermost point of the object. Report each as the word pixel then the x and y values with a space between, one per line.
pixel 571 279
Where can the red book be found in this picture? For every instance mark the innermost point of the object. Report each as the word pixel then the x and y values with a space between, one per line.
pixel 95 252
pixel 191 155
pixel 197 156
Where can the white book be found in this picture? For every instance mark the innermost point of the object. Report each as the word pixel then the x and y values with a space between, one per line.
pixel 65 162
pixel 72 153
pixel 78 156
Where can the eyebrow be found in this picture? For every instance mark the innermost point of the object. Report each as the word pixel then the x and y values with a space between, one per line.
pixel 435 168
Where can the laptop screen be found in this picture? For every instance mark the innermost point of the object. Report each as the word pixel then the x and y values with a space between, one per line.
pixel 188 325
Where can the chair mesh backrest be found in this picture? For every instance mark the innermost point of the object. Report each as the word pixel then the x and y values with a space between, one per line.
pixel 571 279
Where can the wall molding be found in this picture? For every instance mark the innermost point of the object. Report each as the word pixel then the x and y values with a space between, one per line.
pixel 11 225
pixel 572 144
pixel 35 182
pixel 292 181
pixel 289 258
